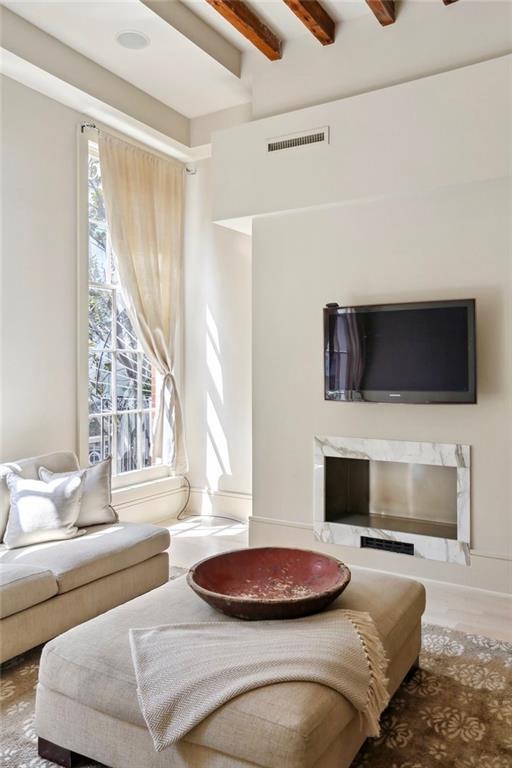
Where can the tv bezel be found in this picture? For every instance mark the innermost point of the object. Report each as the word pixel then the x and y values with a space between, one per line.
pixel 468 396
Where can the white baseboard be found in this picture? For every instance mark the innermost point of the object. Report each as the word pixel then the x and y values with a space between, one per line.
pixel 150 502
pixel 487 571
pixel 207 502
pixel 161 500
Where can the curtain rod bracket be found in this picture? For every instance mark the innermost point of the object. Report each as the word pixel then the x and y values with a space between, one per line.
pixel 190 171
pixel 87 125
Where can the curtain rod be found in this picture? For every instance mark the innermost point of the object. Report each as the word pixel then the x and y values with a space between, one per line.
pixel 188 169
pixel 87 125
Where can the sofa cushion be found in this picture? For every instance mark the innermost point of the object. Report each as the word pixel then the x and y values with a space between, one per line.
pixel 41 511
pixel 95 507
pixel 60 461
pixel 297 718
pixel 22 586
pixel 102 550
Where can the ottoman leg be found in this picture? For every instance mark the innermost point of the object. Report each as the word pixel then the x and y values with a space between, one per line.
pixel 55 754
pixel 414 666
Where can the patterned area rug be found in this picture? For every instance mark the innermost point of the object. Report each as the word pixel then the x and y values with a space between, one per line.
pixel 454 712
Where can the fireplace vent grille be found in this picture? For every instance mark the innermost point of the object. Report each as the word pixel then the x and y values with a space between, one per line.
pixel 402 547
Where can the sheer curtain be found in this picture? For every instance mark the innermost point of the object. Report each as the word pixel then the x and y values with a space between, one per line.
pixel 144 207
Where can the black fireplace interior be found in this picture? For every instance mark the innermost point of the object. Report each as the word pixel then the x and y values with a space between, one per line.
pixel 347 488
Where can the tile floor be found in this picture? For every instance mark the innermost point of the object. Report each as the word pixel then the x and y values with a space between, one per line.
pixel 194 538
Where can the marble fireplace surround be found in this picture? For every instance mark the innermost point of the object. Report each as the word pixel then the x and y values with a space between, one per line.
pixel 435 454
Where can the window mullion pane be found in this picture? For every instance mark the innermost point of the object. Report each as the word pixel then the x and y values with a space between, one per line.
pixel 102 286
pixel 139 441
pixel 109 257
pixel 139 415
pixel 117 413
pixel 139 381
pixel 114 444
pixel 114 383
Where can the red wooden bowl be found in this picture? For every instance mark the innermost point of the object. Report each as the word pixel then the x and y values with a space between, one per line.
pixel 269 582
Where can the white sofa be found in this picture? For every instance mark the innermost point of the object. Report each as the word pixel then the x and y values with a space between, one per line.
pixel 48 588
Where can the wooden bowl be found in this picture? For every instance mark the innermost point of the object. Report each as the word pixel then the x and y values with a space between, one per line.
pixel 269 582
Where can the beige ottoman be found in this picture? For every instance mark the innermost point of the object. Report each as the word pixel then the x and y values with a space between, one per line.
pixel 87 700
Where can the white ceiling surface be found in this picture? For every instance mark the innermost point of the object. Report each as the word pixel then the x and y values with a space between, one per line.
pixel 278 17
pixel 172 69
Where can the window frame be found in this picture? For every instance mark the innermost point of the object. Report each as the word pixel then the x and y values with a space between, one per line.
pixel 114 350
pixel 133 477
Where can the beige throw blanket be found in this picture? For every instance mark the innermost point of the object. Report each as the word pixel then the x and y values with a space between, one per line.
pixel 186 671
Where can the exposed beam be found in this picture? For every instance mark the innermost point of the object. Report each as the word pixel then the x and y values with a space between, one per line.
pixel 180 17
pixel 315 18
pixel 245 21
pixel 384 10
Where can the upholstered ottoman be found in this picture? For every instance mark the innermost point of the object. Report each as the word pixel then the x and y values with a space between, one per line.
pixel 87 700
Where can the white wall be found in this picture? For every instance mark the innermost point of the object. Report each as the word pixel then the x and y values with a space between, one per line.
pixel 38 306
pixel 450 243
pixel 451 128
pixel 217 387
pixel 411 200
pixel 38 397
pixel 427 37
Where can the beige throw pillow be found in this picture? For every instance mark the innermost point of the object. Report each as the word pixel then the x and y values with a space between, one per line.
pixel 95 507
pixel 42 511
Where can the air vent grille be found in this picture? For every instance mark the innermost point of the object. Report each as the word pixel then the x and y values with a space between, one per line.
pixel 402 547
pixel 298 140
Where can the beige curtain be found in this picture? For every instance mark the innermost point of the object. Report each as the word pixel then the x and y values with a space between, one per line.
pixel 144 206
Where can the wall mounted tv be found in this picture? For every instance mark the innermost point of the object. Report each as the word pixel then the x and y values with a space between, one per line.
pixel 406 353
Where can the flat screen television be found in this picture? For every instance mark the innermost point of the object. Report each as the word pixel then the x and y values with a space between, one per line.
pixel 407 353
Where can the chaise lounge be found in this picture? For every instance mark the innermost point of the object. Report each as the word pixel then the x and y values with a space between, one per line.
pixel 47 588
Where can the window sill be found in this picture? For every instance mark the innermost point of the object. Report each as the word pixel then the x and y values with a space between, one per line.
pixel 148 489
pixel 141 476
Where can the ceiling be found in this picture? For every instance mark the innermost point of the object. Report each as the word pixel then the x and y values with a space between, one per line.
pixel 172 69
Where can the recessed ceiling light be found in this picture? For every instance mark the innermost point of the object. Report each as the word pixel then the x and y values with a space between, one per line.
pixel 129 38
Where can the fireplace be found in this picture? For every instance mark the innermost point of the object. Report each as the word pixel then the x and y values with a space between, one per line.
pixel 406 497
pixel 416 498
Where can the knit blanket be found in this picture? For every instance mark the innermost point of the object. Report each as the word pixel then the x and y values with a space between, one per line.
pixel 185 672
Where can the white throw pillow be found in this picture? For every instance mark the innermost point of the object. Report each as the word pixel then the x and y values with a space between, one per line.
pixel 42 511
pixel 95 507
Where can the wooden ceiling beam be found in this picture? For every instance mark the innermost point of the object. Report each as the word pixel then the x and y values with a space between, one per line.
pixel 249 25
pixel 384 10
pixel 315 18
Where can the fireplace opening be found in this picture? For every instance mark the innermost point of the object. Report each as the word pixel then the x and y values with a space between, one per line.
pixel 394 496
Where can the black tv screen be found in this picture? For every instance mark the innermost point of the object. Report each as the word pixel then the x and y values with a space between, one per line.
pixel 413 353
